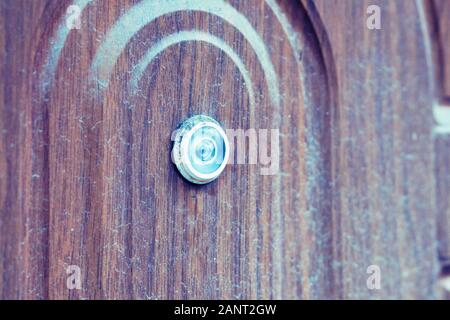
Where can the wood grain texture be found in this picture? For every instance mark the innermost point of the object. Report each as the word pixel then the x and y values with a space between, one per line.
pixel 24 183
pixel 440 34
pixel 441 16
pixel 86 177
pixel 382 147
pixel 442 145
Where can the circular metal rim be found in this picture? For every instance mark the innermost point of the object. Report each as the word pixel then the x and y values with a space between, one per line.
pixel 180 154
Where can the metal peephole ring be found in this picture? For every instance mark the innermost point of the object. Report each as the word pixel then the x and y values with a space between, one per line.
pixel 201 149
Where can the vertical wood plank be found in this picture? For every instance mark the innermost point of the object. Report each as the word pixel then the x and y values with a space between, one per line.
pixel 441 25
pixel 439 20
pixel 136 229
pixel 24 193
pixel 382 131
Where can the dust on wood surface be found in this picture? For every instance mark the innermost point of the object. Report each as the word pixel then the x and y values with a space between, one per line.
pixel 86 178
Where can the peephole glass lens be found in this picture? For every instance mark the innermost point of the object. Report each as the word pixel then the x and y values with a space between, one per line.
pixel 206 150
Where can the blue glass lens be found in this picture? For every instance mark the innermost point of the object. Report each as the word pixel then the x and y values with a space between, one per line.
pixel 206 150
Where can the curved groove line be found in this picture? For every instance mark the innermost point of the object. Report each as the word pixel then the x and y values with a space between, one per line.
pixel 276 219
pixel 441 113
pixel 192 35
pixel 56 45
pixel 146 11
pixel 296 48
pixel 287 28
pixel 313 147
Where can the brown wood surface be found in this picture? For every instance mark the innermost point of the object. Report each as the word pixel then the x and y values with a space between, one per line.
pixel 441 15
pixel 86 177
pixel 440 32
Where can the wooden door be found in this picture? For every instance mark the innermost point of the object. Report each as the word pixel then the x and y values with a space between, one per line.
pixel 91 91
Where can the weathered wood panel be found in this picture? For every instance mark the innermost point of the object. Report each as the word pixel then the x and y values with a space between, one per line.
pixel 86 177
pixel 24 182
pixel 440 35
pixel 383 173
pixel 441 15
